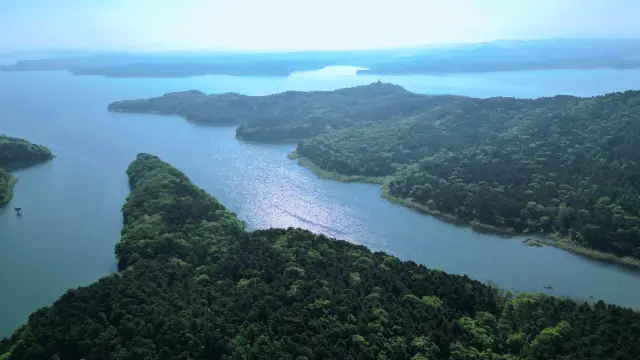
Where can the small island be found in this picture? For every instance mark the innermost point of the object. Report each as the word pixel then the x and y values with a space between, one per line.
pixel 16 154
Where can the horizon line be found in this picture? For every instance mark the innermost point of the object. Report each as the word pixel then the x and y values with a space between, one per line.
pixel 152 49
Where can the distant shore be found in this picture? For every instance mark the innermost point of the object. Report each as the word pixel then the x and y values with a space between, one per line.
pixel 555 241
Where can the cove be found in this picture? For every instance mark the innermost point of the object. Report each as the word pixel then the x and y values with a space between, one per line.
pixel 72 204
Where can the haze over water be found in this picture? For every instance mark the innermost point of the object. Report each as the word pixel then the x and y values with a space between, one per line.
pixel 72 204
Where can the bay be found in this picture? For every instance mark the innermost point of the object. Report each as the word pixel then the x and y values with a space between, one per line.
pixel 72 204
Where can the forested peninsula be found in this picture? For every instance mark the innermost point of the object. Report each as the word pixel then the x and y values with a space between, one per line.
pixel 16 154
pixel 192 283
pixel 560 165
pixel 289 115
pixel 563 165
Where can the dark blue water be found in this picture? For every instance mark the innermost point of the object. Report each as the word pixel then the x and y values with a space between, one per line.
pixel 72 204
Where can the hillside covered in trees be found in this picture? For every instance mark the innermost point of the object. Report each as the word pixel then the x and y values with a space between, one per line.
pixel 17 154
pixel 562 164
pixel 289 115
pixel 193 284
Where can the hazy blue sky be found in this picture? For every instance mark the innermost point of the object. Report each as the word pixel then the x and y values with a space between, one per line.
pixel 302 24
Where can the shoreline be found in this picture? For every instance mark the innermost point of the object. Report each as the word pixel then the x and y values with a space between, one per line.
pixel 573 247
pixel 557 242
pixel 8 195
pixel 291 141
pixel 383 181
pixel 448 218
pixel 330 175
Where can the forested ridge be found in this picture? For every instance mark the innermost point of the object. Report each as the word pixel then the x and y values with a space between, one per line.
pixel 193 284
pixel 563 164
pixel 514 55
pixel 292 114
pixel 17 154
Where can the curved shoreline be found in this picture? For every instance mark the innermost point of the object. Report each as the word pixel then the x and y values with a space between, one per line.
pixel 8 192
pixel 573 247
pixel 330 175
pixel 552 240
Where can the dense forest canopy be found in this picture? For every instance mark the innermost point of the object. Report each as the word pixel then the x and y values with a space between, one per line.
pixel 563 164
pixel 291 114
pixel 193 284
pixel 7 180
pixel 17 154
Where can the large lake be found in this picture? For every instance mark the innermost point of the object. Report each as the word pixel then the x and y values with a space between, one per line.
pixel 72 204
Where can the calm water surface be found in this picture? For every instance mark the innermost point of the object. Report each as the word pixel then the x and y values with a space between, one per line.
pixel 72 204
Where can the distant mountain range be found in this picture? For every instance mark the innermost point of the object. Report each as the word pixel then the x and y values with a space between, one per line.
pixel 517 56
pixel 502 55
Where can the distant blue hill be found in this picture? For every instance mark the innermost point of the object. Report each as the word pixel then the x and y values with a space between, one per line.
pixel 500 55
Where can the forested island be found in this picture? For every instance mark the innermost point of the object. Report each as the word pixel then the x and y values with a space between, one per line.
pixel 16 154
pixel 192 283
pixel 560 165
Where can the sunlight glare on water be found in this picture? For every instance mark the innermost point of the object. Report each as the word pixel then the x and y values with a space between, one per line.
pixel 72 204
